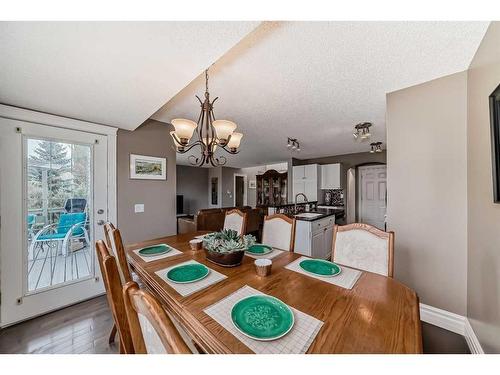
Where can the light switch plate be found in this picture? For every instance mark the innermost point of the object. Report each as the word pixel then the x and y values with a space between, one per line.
pixel 138 208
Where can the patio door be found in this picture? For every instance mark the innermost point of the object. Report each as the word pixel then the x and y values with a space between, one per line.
pixel 53 202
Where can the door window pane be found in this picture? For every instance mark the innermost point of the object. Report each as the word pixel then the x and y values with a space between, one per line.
pixel 58 206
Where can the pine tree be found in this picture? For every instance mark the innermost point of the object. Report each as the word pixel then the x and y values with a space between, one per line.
pixel 53 157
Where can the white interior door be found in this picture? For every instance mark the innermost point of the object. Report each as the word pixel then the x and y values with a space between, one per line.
pixel 53 201
pixel 373 193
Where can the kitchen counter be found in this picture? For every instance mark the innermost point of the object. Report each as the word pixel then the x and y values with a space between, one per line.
pixel 289 204
pixel 323 212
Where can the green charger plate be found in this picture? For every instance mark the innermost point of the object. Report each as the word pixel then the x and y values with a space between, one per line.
pixel 262 318
pixel 154 250
pixel 188 273
pixel 320 267
pixel 259 249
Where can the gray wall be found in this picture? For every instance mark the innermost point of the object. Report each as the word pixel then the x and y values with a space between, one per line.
pixel 427 189
pixel 192 183
pixel 228 186
pixel 158 197
pixel 251 173
pixel 483 277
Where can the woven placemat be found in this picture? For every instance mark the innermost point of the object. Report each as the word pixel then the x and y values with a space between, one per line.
pixel 270 255
pixel 297 341
pixel 190 288
pixel 171 253
pixel 346 279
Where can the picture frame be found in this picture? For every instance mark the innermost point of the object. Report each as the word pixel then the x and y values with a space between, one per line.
pixel 495 141
pixel 252 184
pixel 144 167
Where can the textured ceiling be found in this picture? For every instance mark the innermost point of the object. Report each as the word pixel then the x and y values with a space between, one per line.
pixel 315 80
pixel 114 73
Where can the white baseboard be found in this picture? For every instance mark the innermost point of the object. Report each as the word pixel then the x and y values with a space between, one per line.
pixel 452 322
pixel 471 338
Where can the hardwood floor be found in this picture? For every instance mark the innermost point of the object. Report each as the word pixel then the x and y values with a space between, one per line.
pixel 84 328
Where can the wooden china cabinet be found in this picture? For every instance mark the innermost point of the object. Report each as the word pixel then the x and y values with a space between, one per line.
pixel 272 188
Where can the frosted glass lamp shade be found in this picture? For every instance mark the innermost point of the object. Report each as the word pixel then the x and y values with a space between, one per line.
pixel 224 129
pixel 235 140
pixel 184 129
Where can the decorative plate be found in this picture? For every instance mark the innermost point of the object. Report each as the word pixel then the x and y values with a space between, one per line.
pixel 262 318
pixel 259 249
pixel 188 273
pixel 320 267
pixel 154 250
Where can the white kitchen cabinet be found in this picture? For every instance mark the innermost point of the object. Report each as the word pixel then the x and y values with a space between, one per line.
pixel 306 181
pixel 330 176
pixel 314 238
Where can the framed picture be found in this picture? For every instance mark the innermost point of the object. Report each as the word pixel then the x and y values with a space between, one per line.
pixel 147 167
pixel 252 184
pixel 495 141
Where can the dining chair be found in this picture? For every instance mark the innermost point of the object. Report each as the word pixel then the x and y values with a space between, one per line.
pixel 279 232
pixel 236 220
pixel 364 247
pixel 152 331
pixel 115 243
pixel 114 292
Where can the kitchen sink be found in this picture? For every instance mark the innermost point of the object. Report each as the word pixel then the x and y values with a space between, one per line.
pixel 308 215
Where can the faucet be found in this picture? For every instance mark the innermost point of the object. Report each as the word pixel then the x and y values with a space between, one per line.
pixel 295 202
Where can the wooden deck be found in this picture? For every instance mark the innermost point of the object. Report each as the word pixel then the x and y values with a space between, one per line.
pixel 47 268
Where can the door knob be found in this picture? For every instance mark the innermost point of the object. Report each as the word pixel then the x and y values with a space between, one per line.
pixel 100 222
pixel 100 211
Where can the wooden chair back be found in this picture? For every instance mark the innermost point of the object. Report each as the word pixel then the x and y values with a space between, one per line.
pixel 364 247
pixel 114 288
pixel 151 329
pixel 236 220
pixel 279 232
pixel 115 243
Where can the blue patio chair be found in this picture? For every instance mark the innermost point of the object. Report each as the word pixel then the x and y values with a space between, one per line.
pixel 30 220
pixel 70 226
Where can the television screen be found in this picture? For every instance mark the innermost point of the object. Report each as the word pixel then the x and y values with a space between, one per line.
pixel 180 204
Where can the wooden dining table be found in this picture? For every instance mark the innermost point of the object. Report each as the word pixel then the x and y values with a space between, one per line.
pixel 378 315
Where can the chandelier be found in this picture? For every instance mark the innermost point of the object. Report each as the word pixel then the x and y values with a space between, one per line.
pixel 362 130
pixel 211 134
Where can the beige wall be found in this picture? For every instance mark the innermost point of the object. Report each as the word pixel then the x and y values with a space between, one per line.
pixel 158 197
pixel 427 189
pixel 483 297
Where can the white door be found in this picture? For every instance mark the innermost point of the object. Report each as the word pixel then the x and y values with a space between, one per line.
pixel 373 195
pixel 317 245
pixel 311 190
pixel 298 187
pixel 311 172
pixel 299 172
pixel 328 238
pixel 53 201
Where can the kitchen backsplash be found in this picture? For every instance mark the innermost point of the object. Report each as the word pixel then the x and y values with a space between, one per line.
pixel 334 197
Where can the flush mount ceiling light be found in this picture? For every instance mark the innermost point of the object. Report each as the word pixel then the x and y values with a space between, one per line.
pixel 362 130
pixel 375 147
pixel 292 144
pixel 211 133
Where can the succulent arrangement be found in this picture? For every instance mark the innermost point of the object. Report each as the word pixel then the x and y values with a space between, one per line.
pixel 228 241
